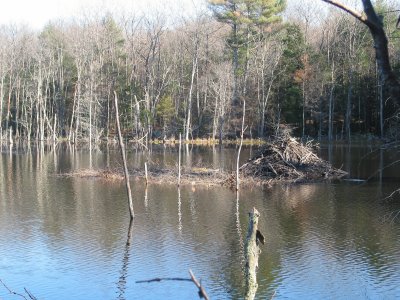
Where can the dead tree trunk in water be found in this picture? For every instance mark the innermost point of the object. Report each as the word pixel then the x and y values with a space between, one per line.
pixel 121 144
pixel 251 252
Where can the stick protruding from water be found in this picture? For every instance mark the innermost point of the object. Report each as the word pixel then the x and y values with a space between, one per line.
pixel 122 147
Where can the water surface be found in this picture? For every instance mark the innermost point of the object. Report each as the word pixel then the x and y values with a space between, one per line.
pixel 66 238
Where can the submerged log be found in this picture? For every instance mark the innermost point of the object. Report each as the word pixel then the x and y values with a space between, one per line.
pixel 252 252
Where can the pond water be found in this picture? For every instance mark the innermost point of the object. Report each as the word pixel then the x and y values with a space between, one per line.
pixel 66 238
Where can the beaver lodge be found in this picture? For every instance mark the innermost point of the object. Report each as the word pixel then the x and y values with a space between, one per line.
pixel 283 160
pixel 287 160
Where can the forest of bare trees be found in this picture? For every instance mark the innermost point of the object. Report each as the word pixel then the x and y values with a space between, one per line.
pixel 312 67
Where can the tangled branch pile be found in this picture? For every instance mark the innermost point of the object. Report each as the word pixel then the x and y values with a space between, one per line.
pixel 285 159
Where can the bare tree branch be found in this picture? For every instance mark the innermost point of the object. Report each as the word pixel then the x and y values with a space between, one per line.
pixel 202 291
pixel 30 294
pixel 347 9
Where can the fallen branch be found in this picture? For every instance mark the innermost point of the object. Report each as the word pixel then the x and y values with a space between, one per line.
pixel 164 279
pixel 202 292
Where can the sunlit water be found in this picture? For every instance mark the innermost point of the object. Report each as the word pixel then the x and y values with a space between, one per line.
pixel 66 238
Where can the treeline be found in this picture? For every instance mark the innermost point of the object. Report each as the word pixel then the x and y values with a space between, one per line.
pixel 317 74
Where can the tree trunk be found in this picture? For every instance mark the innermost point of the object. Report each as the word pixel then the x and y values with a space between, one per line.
pixel 72 116
pixel 189 104
pixel 304 110
pixel 179 159
pixel 349 104
pixel 235 66
pixel 380 97
pixel 240 147
pixel 330 116
pixel 1 106
pixel 252 252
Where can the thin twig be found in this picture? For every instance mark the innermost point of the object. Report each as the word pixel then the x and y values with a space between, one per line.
pixel 30 294
pixel 15 293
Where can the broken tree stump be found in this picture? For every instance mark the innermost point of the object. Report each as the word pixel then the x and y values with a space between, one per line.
pixel 252 252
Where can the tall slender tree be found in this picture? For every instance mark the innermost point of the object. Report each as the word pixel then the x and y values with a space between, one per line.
pixel 244 17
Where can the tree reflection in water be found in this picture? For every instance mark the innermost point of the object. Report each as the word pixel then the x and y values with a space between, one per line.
pixel 125 263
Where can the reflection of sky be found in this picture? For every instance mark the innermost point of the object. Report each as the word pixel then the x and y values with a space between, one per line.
pixel 64 238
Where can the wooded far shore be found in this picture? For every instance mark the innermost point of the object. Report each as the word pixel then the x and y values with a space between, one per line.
pixel 312 67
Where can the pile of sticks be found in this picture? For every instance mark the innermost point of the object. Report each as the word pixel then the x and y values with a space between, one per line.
pixel 287 159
